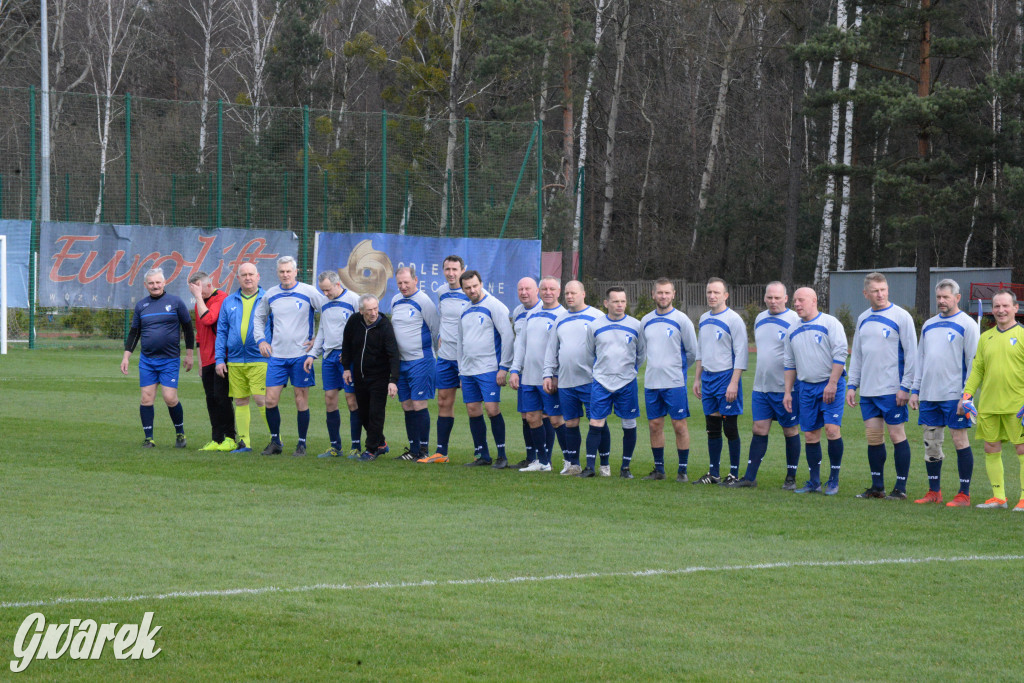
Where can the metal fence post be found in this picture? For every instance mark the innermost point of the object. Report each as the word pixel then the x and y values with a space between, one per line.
pixel 384 171
pixel 449 227
pixel 285 225
pixel 220 163
pixel 174 197
pixel 323 219
pixel 515 190
pixel 581 185
pixel 540 180
pixel 67 196
pixel 34 235
pixel 305 189
pixel 128 158
pixel 465 178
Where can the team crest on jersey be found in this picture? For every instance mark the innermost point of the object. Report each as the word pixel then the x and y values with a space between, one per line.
pixel 669 332
pixel 167 308
pixel 550 326
pixel 886 332
pixel 480 320
pixel 818 338
pixel 629 339
pixel 782 335
pixel 718 335
pixel 298 305
pixel 1013 340
pixel 950 337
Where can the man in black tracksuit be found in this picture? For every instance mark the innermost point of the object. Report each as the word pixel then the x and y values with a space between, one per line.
pixel 369 348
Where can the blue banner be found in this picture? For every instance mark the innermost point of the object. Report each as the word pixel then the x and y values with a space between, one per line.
pixel 99 265
pixel 366 262
pixel 19 237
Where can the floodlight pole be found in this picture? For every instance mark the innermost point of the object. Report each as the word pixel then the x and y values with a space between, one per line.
pixel 44 115
pixel 3 295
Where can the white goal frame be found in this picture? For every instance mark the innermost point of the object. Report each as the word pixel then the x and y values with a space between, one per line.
pixel 3 294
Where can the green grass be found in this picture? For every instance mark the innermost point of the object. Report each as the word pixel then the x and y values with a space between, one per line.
pixel 86 513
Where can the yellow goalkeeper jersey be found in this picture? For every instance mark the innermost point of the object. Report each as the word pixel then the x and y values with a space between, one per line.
pixel 997 376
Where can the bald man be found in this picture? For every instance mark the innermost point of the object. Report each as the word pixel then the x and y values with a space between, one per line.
pixel 815 354
pixel 529 301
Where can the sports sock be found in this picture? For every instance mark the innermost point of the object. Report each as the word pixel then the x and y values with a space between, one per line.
pixel 531 453
pixel 876 461
pixel 561 435
pixel 243 419
pixel 263 413
pixel 965 468
pixel 684 459
pixel 177 414
pixel 573 441
pixel 355 429
pixel 934 470
pixel 537 437
pixel 814 462
pixel 714 455
pixel 593 443
pixel 605 449
pixel 146 414
pixel 994 466
pixel 334 428
pixel 422 430
pixel 549 440
pixel 758 447
pixel 734 457
pixel 410 431
pixel 498 432
pixel 302 419
pixel 792 455
pixel 478 429
pixel 659 458
pixel 901 459
pixel 444 432
pixel 628 446
pixel 835 458
pixel 274 423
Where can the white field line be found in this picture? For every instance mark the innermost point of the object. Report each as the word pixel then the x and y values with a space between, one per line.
pixel 53 602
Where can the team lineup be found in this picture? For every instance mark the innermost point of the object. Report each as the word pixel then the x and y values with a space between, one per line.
pixel 573 362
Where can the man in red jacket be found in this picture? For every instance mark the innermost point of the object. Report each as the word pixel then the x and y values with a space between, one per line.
pixel 218 403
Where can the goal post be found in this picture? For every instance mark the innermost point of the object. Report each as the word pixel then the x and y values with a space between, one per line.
pixel 3 294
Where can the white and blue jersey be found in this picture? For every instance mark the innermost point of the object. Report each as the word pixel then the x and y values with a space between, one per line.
pixel 812 349
pixel 289 314
pixel 451 302
pixel 486 341
pixel 568 357
pixel 884 352
pixel 531 345
pixel 619 350
pixel 944 357
pixel 416 325
pixel 722 342
pixel 334 314
pixel 671 347
pixel 770 330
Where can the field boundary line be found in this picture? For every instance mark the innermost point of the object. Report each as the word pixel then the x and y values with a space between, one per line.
pixel 571 576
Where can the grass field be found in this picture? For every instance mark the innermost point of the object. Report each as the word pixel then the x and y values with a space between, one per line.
pixel 303 569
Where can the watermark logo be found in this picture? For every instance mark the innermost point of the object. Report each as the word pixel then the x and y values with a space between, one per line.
pixel 82 639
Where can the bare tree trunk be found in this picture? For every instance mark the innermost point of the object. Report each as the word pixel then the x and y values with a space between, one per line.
pixel 844 206
pixel 716 124
pixel 458 11
pixel 209 18
pixel 978 182
pixel 825 240
pixel 621 36
pixel 796 152
pixel 641 205
pixel 568 141
pixel 585 118
pixel 256 27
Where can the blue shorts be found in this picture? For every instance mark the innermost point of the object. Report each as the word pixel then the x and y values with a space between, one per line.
pixel 767 405
pixel 416 380
pixel 533 397
pixel 333 374
pixel 712 390
pixel 482 387
pixel 280 370
pixel 672 402
pixel 814 412
pixel 884 407
pixel 574 401
pixel 446 374
pixel 942 414
pixel 624 400
pixel 162 371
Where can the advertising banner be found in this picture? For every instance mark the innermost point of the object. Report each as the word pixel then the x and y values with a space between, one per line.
pixel 96 265
pixel 366 262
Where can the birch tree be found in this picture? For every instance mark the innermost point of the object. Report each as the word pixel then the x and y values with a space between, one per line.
pixel 455 18
pixel 210 19
pixel 254 22
pixel 717 123
pixel 824 261
pixel 581 162
pixel 621 38
pixel 114 34
pixel 844 206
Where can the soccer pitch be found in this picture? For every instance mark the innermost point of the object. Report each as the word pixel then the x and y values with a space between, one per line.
pixel 303 569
